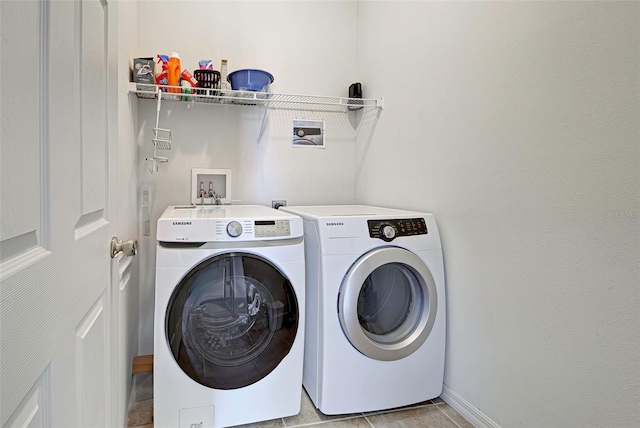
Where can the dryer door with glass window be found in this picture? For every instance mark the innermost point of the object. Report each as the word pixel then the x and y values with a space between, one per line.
pixel 387 303
pixel 231 320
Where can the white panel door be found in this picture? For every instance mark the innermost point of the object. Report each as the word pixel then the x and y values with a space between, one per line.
pixel 58 212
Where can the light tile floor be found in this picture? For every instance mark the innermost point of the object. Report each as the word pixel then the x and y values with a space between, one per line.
pixel 432 413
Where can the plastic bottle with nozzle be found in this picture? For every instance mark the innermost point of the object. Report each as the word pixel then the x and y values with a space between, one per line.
pixel 174 71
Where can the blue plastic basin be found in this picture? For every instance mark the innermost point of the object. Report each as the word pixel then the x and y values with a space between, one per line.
pixel 249 79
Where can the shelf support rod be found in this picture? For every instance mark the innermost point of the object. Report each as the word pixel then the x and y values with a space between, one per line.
pixel 373 126
pixel 264 120
pixel 159 103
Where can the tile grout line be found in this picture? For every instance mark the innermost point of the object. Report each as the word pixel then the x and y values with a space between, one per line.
pixel 310 424
pixel 368 421
pixel 386 412
pixel 401 409
pixel 363 415
pixel 449 417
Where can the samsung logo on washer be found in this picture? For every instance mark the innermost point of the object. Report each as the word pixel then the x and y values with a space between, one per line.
pixel 182 223
pixel 337 223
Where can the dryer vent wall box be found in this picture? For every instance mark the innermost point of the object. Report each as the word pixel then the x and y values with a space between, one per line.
pixel 308 133
pixel 210 185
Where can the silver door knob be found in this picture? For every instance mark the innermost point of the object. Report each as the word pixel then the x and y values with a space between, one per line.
pixel 129 248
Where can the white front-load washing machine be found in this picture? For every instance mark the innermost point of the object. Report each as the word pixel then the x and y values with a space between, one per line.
pixel 375 314
pixel 229 316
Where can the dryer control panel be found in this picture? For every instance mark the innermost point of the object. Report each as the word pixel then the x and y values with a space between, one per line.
pixel 388 230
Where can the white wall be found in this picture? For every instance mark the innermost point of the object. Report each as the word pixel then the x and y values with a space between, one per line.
pixel 517 123
pixel 309 47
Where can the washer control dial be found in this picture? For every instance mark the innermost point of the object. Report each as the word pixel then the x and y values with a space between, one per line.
pixel 234 229
pixel 387 232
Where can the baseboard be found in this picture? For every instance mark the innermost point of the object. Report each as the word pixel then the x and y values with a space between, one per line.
pixel 466 409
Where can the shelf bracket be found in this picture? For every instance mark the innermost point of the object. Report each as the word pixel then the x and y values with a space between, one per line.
pixel 375 122
pixel 264 121
pixel 378 111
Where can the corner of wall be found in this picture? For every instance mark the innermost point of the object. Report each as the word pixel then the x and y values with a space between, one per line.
pixel 466 409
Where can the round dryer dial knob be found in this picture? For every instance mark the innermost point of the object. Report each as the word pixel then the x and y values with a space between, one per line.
pixel 387 232
pixel 234 229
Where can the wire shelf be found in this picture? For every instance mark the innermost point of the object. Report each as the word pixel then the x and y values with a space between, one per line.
pixel 261 99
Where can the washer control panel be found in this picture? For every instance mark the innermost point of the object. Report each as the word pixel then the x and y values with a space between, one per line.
pixel 388 230
pixel 272 228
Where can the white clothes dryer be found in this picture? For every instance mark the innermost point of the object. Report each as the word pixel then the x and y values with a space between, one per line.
pixel 375 335
pixel 229 316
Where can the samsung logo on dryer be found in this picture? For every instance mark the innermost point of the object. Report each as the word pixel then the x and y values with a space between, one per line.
pixel 337 223
pixel 182 223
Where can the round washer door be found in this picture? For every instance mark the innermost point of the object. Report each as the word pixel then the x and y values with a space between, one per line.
pixel 231 320
pixel 387 303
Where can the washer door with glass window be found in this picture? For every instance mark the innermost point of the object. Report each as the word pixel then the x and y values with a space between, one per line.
pixel 231 320
pixel 387 303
